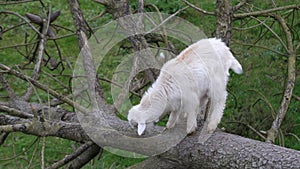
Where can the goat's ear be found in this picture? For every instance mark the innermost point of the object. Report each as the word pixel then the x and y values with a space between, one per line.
pixel 236 67
pixel 141 128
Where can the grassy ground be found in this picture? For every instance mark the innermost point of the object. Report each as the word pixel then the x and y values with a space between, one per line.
pixel 252 97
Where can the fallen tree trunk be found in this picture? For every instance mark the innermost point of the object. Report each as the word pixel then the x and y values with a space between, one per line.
pixel 224 150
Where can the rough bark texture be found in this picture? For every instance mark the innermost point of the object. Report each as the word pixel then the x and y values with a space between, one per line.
pixel 223 150
pixel 224 18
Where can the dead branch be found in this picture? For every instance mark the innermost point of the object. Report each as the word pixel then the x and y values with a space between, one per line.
pixel 72 156
pixel 43 87
pixel 24 19
pixel 290 82
pixel 15 112
pixel 16 2
pixel 268 11
pixel 199 9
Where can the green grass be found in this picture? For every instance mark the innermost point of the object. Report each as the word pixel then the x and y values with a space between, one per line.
pixel 249 99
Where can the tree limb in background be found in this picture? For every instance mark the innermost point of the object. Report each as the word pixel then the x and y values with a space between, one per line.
pixel 290 82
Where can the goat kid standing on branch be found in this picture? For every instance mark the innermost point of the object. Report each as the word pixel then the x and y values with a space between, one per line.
pixel 185 84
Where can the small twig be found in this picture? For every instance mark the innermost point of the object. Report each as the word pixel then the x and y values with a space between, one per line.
pixel 281 138
pixel 18 45
pixel 7 87
pixel 24 19
pixel 266 101
pixel 251 128
pixel 296 97
pixel 294 135
pixel 33 154
pixel 43 153
pixel 166 20
pixel 102 2
pixel 259 13
pixel 118 85
pixel 100 15
pixel 55 79
pixel 3 136
pixel 198 9
pixel 239 5
pixel 23 152
pixel 272 31
pixel 259 46
pixel 251 27
pixel 72 156
pixel 16 2
pixel 297 47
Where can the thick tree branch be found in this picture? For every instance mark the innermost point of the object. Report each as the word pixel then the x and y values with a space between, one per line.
pixel 223 150
pixel 43 128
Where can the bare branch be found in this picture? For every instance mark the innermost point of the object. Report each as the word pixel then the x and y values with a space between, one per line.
pixel 290 82
pixel 18 45
pixel 43 153
pixel 296 97
pixel 86 156
pixel 239 5
pixel 15 112
pixel 24 19
pixel 43 128
pixel 259 46
pixel 7 87
pixel 40 52
pixel 3 136
pixel 251 128
pixel 23 152
pixel 102 2
pixel 72 156
pixel 16 2
pixel 268 11
pixel 199 9
pixel 294 135
pixel 43 87
pixel 166 20
pixel 272 31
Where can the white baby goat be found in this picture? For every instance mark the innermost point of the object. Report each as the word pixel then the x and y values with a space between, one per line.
pixel 184 85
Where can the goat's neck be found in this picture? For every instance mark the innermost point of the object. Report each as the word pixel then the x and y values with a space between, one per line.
pixel 158 101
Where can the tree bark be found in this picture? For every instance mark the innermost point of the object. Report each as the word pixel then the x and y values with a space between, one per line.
pixel 224 150
pixel 224 18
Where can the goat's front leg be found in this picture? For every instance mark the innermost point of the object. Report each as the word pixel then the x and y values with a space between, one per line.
pixel 216 112
pixel 172 119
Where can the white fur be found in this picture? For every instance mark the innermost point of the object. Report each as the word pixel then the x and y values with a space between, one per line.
pixel 185 83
